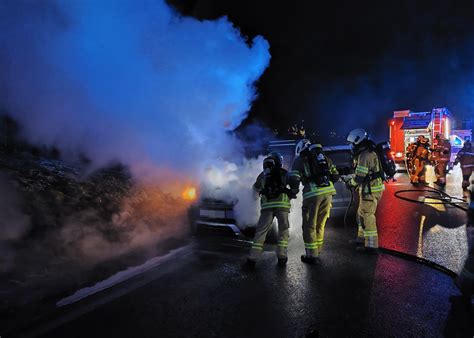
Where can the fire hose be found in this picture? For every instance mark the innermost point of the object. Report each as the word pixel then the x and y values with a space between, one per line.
pixel 436 194
pixel 444 199
pixel 351 190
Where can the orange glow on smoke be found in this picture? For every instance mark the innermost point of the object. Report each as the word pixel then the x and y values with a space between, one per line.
pixel 189 194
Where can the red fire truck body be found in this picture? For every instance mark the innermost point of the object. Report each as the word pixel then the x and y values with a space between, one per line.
pixel 406 126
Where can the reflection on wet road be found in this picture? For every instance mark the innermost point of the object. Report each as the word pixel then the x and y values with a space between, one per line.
pixel 211 293
pixel 433 231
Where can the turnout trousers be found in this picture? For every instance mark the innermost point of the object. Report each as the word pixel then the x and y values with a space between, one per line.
pixel 264 225
pixel 316 211
pixel 440 171
pixel 418 175
pixel 367 224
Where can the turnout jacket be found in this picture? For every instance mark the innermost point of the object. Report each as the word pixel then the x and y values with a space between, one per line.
pixel 441 152
pixel 466 157
pixel 300 172
pixel 422 153
pixel 367 167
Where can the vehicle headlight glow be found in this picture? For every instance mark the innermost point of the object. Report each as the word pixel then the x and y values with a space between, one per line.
pixel 189 194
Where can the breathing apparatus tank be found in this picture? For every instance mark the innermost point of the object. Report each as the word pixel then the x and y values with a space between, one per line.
pixel 318 166
pixel 272 184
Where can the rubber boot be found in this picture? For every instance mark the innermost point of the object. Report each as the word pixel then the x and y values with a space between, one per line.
pixel 311 260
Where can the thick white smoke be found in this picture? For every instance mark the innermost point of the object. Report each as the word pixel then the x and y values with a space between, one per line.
pixel 232 182
pixel 127 80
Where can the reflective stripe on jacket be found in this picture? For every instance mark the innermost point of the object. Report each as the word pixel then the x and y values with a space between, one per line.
pixel 300 172
pixel 367 163
pixel 282 202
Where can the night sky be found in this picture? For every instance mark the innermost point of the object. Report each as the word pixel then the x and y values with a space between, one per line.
pixel 344 64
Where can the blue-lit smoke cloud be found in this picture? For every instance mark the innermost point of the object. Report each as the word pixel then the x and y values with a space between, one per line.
pixel 127 80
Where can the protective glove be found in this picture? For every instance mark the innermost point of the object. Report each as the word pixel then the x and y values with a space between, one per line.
pixel 351 184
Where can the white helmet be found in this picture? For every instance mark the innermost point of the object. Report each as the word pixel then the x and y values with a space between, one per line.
pixel 356 136
pixel 316 146
pixel 302 145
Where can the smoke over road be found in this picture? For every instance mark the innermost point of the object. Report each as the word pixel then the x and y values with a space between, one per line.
pixel 130 82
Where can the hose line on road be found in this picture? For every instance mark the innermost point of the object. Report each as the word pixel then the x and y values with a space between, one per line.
pixel 443 197
pixel 418 259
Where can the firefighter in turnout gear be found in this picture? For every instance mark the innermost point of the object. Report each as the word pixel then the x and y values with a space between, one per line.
pixel 466 158
pixel 368 180
pixel 420 161
pixel 440 156
pixel 317 173
pixel 272 185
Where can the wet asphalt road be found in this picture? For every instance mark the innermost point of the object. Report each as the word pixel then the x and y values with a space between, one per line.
pixel 210 293
pixel 432 231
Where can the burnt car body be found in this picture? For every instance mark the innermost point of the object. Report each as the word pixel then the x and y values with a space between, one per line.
pixel 217 216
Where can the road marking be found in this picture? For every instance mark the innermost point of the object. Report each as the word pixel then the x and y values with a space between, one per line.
pixel 419 251
pixel 120 277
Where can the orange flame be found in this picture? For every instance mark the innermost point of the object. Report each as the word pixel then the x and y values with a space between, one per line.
pixel 189 194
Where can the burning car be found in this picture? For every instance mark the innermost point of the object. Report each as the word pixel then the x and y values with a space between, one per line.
pixel 220 209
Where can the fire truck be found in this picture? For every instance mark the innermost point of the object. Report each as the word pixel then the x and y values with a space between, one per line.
pixel 407 125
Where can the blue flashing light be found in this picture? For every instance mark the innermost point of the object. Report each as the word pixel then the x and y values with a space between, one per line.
pixel 457 141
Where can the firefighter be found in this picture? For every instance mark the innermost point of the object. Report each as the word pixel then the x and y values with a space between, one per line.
pixel 440 156
pixel 420 160
pixel 275 197
pixel 466 158
pixel 368 180
pixel 317 173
